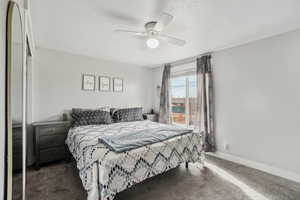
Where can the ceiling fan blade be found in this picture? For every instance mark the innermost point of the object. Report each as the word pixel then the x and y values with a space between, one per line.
pixel 163 21
pixel 136 33
pixel 172 40
pixel 121 18
pixel 160 5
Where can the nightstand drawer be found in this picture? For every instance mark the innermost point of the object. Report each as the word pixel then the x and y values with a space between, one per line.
pixel 151 117
pixel 53 154
pixel 47 141
pixel 50 130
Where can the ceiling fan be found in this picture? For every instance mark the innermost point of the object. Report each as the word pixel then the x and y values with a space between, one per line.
pixel 152 33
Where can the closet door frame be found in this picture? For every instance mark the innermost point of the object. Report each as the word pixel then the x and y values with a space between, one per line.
pixel 11 8
pixel 28 52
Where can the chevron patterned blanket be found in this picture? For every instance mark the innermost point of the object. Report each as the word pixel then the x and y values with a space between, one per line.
pixel 104 173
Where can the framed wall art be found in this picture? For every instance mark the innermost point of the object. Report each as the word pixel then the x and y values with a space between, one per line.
pixel 118 84
pixel 88 82
pixel 104 83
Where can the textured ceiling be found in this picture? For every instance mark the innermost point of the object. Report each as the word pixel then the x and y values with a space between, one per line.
pixel 86 27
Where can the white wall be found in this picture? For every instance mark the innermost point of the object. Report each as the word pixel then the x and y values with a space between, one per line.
pixel 258 101
pixel 257 93
pixel 17 83
pixel 57 84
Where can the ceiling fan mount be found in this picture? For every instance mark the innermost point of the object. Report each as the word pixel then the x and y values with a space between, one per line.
pixel 150 27
pixel 153 30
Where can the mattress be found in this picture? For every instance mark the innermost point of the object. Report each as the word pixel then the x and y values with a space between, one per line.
pixel 104 172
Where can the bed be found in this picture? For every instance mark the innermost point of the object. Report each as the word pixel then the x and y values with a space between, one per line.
pixel 105 172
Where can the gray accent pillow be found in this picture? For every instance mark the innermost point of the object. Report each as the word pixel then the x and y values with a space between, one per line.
pixel 107 109
pixel 127 114
pixel 90 117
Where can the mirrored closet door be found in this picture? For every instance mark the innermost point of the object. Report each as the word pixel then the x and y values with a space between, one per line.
pixel 15 104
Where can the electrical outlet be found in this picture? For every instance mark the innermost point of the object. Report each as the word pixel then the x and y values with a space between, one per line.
pixel 226 146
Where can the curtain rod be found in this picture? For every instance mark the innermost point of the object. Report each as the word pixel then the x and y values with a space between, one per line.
pixel 188 60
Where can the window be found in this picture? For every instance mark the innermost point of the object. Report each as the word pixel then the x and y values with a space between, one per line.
pixel 178 100
pixel 183 98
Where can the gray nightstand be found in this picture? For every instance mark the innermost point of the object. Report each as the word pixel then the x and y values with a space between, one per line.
pixel 18 146
pixel 151 117
pixel 49 141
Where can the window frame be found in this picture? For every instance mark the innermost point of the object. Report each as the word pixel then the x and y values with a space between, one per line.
pixel 185 74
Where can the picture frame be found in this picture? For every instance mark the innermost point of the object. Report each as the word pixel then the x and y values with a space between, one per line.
pixel 118 84
pixel 88 82
pixel 104 83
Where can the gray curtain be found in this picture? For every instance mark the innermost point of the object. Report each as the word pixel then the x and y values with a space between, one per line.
pixel 205 102
pixel 164 108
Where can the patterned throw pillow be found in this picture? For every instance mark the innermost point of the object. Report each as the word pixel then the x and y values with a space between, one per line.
pixel 127 114
pixel 88 117
pixel 106 108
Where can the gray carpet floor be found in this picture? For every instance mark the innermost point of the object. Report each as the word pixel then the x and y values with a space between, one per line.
pixel 219 180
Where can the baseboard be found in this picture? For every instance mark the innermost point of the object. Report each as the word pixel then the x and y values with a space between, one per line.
pixel 260 166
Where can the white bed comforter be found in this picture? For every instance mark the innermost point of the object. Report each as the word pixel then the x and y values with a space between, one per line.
pixel 104 173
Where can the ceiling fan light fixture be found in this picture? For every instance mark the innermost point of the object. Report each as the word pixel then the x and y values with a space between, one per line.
pixel 152 33
pixel 152 43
